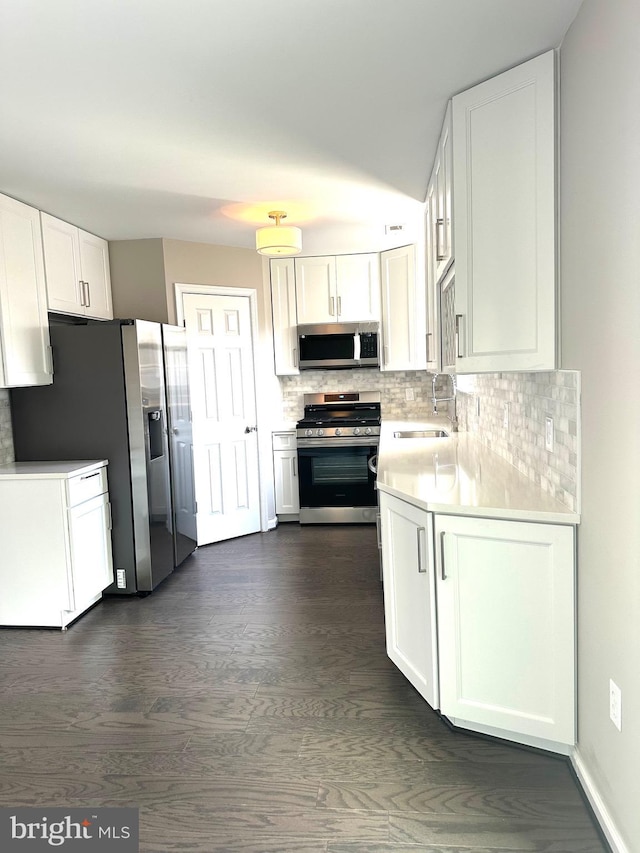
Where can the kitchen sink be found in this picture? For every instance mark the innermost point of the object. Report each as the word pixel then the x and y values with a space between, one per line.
pixel 421 433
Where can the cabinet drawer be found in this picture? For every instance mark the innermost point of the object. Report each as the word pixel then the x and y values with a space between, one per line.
pixel 284 441
pixel 86 486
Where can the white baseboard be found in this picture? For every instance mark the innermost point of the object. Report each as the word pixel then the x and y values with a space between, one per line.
pixel 605 820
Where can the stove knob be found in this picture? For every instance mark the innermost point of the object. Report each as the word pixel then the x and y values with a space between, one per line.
pixel 368 431
pixel 320 432
pixel 308 432
pixel 338 431
pixel 356 431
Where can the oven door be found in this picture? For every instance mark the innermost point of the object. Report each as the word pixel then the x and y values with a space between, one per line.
pixel 336 474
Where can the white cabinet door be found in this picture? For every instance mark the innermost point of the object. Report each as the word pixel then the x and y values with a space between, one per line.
pixel 403 311
pixel 506 626
pixel 316 298
pixel 443 176
pixel 409 593
pixel 358 288
pixel 90 539
pixel 77 270
pixel 283 308
pixel 285 466
pixel 25 357
pixel 432 289
pixel 504 190
pixel 94 259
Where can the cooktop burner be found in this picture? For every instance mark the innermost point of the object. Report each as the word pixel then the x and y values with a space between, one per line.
pixel 340 414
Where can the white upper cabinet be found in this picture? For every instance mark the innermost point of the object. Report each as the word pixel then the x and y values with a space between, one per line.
pixel 25 356
pixel 283 311
pixel 338 289
pixel 77 270
pixel 505 220
pixel 403 311
pixel 443 179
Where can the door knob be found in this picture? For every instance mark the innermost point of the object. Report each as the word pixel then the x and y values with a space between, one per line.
pixel 251 429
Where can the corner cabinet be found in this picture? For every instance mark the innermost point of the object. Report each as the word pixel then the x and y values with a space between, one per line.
pixel 77 270
pixel 406 534
pixel 403 310
pixel 25 354
pixel 504 144
pixel 55 528
pixel 283 312
pixel 506 628
pixel 338 289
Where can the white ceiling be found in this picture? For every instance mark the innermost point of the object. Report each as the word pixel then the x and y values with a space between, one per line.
pixel 191 119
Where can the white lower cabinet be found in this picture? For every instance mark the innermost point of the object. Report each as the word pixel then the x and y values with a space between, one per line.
pixel 285 469
pixel 506 628
pixel 409 593
pixel 55 529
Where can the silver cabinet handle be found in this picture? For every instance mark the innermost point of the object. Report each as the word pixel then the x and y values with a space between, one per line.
pixel 339 305
pixel 429 334
pixel 110 522
pixel 332 306
pixel 440 256
pixel 385 350
pixel 88 297
pixel 379 531
pixel 458 324
pixel 295 356
pixel 81 285
pixel 421 568
pixel 293 461
pixel 443 573
pixel 89 476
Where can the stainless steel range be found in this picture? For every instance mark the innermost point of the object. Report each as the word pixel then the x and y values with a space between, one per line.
pixel 337 438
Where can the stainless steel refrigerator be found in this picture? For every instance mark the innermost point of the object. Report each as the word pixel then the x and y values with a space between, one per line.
pixel 109 400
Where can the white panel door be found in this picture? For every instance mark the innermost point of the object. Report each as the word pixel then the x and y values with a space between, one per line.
pixel 506 625
pixel 316 299
pixel 409 593
pixel 221 371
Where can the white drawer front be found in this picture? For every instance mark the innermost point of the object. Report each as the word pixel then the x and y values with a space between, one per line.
pixel 284 441
pixel 86 486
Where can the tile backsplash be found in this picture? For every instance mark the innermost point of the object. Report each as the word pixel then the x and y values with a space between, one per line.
pixel 530 398
pixel 6 435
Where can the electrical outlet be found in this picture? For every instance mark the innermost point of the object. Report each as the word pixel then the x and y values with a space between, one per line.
pixel 505 416
pixel 409 395
pixel 121 579
pixel 477 407
pixel 548 434
pixel 615 704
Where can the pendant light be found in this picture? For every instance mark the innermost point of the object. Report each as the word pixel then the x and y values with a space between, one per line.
pixel 278 239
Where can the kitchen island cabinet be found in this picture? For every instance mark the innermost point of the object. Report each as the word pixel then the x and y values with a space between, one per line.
pixel 55 529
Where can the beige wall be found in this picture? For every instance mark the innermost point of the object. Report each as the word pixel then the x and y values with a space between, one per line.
pixel 137 279
pixel 600 287
pixel 203 263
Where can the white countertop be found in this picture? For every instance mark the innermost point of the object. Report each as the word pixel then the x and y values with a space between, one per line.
pixel 459 475
pixel 49 470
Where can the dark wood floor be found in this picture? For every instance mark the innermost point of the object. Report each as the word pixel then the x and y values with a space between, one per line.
pixel 248 705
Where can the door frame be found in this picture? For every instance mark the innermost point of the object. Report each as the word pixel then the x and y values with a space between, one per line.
pixel 264 449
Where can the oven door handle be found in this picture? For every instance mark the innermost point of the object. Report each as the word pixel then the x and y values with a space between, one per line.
pixel 326 443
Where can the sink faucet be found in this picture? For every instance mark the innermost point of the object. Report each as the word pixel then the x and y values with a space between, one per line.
pixel 453 398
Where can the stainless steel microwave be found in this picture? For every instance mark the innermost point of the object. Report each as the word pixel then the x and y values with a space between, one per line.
pixel 338 345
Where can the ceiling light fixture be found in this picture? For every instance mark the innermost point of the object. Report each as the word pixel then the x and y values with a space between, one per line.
pixel 278 239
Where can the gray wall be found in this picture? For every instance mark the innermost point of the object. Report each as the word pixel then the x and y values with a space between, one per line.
pixel 600 287
pixel 137 279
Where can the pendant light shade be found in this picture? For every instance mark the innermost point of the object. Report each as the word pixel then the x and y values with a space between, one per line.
pixel 278 239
